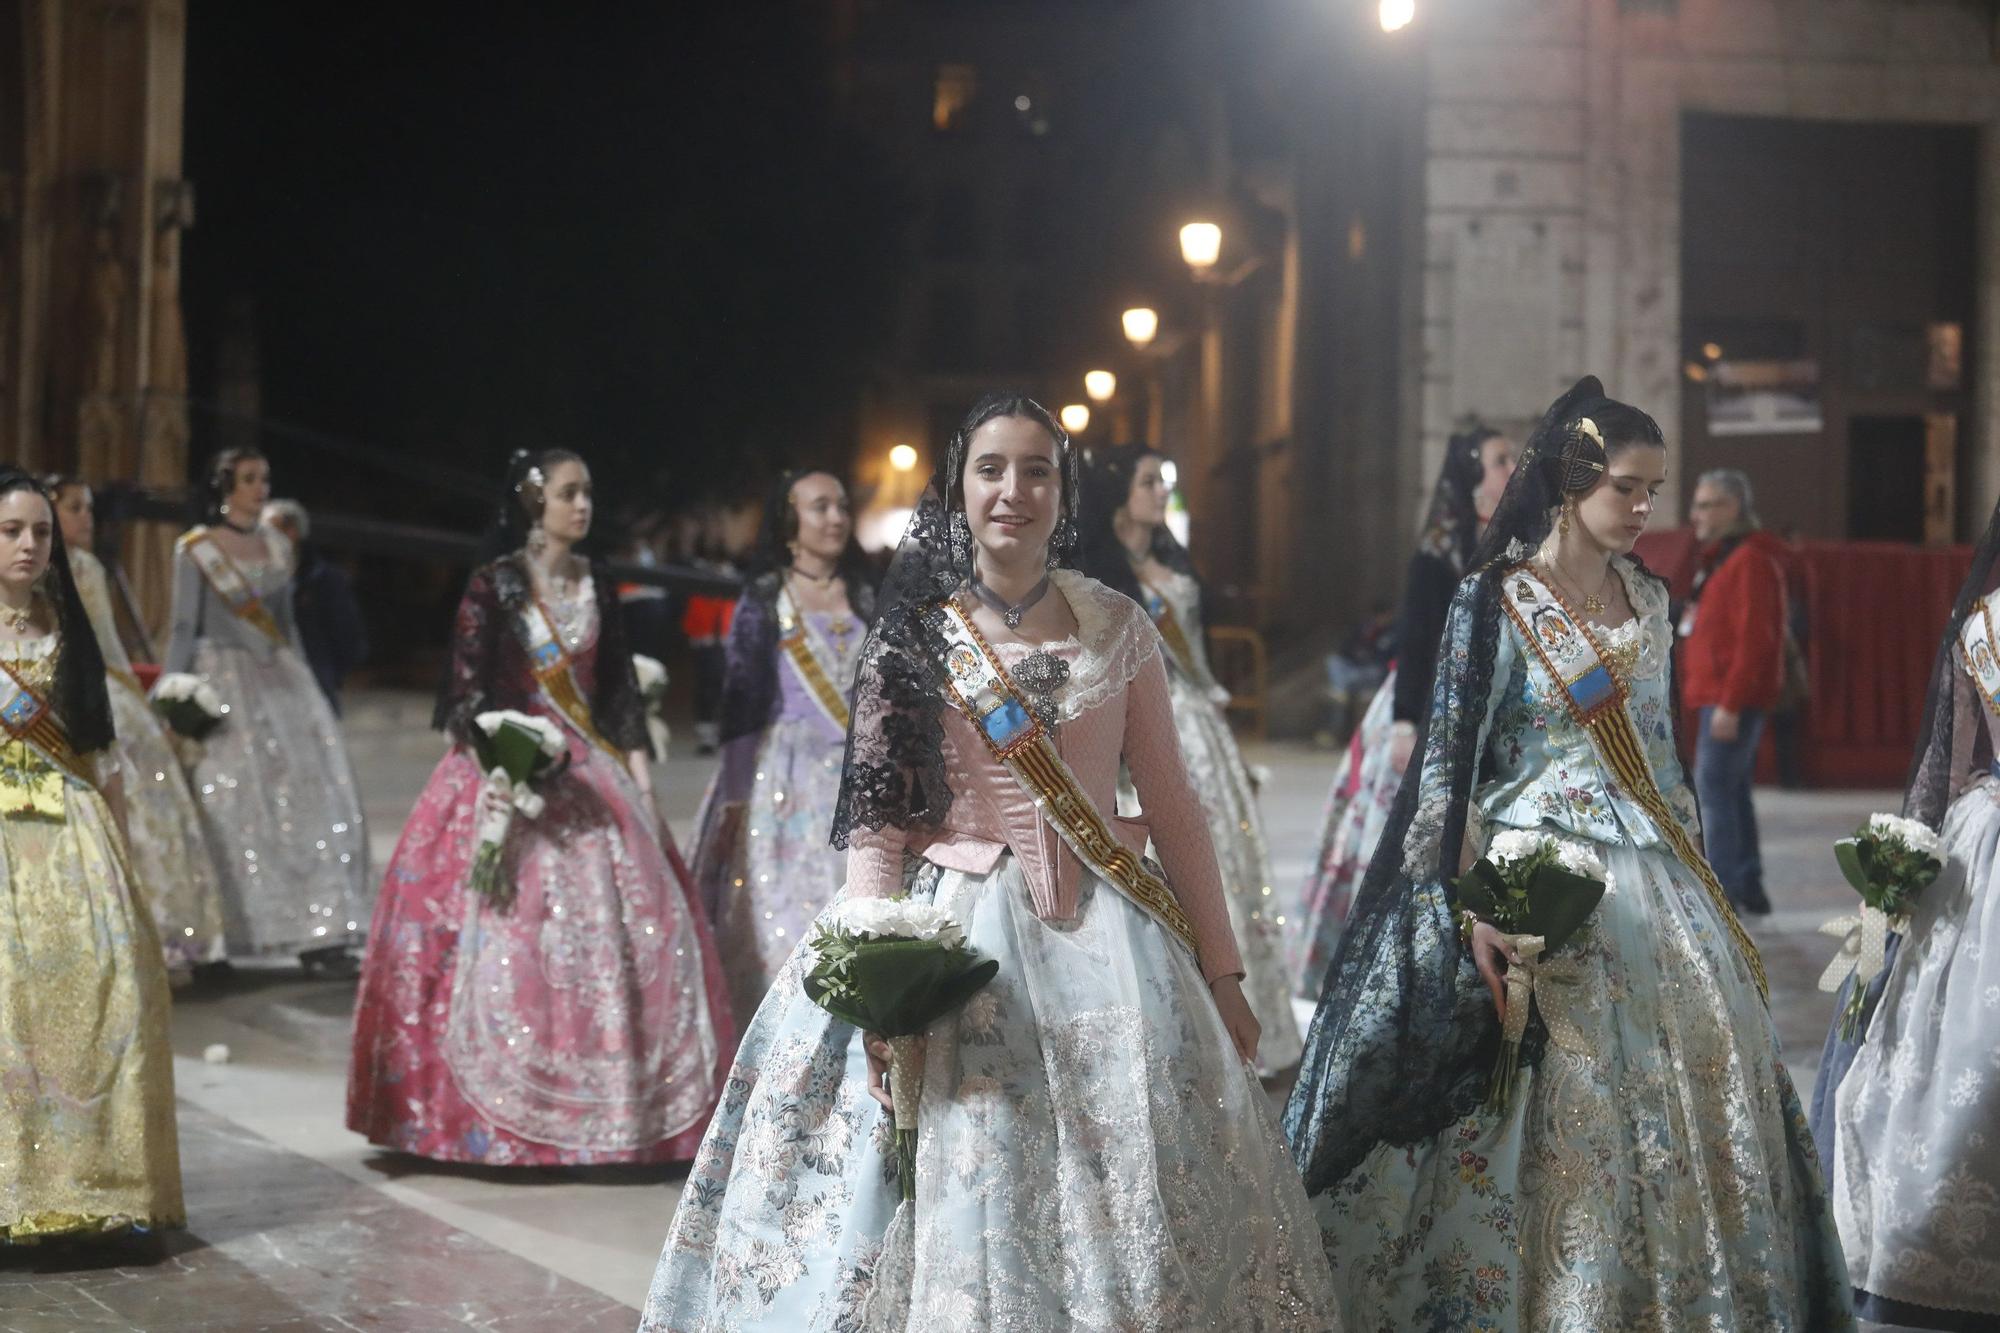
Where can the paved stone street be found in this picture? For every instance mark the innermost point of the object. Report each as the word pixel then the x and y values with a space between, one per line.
pixel 296 1224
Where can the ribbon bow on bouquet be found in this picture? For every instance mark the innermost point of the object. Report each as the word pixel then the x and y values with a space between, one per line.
pixel 1889 861
pixel 1864 938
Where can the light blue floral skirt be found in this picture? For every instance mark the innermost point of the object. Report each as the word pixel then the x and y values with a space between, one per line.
pixel 1652 1172
pixel 1094 1155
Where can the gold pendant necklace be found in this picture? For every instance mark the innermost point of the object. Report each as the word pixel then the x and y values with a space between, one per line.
pixel 1593 603
pixel 17 619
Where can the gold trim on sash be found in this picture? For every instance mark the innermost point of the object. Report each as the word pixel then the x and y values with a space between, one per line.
pixel 550 664
pixel 38 727
pixel 1172 633
pixel 243 603
pixel 1976 646
pixel 800 646
pixel 1609 725
pixel 999 712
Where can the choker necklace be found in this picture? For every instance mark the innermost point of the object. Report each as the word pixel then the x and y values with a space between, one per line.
pixel 817 580
pixel 1010 613
pixel 234 527
pixel 17 619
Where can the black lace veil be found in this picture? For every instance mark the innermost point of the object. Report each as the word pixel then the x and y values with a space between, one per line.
pixel 1404 1037
pixel 79 695
pixel 894 773
pixel 1952 728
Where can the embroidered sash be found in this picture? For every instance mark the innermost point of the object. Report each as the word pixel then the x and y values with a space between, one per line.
pixel 552 666
pixel 1179 650
pixel 1596 700
pixel 28 718
pixel 979 687
pixel 1976 647
pixel 234 590
pixel 810 658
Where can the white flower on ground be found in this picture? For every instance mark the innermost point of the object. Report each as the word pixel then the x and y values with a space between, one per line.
pixel 900 918
pixel 547 734
pixel 1914 834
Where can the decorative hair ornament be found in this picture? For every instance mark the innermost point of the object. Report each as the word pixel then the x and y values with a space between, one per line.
pixel 1585 426
pixel 532 477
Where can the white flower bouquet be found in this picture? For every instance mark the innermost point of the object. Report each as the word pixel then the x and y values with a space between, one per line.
pixel 188 705
pixel 514 750
pixel 1890 861
pixel 1537 890
pixel 652 674
pixel 893 967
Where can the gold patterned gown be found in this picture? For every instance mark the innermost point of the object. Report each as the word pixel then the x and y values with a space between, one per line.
pixel 170 852
pixel 87 1139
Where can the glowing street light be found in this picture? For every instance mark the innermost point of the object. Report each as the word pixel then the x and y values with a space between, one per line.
pixel 1142 325
pixel 1397 15
pixel 902 458
pixel 1076 418
pixel 1100 385
pixel 1201 246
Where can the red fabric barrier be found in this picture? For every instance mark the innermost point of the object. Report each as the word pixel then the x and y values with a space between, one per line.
pixel 1876 612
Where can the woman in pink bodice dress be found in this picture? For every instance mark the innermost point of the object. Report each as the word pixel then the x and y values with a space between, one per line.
pixel 586 1020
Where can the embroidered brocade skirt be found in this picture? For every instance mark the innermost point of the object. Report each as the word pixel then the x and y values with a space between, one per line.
pixel 1236 826
pixel 279 805
pixel 1653 1171
pixel 1093 1154
pixel 87 1137
pixel 169 850
pixel 1916 1177
pixel 767 864
pixel 583 1023
pixel 1357 810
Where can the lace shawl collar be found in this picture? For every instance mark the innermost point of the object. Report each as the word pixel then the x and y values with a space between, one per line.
pixel 1116 638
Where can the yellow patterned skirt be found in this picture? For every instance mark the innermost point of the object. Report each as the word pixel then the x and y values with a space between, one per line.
pixel 87 1138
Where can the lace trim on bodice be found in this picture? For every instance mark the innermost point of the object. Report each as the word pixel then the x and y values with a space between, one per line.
pixel 1113 640
pixel 1640 648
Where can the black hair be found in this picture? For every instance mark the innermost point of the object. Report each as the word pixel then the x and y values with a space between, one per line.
pixel 521 500
pixel 221 481
pixel 80 696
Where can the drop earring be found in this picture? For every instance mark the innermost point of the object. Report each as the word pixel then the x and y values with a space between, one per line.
pixel 1562 526
pixel 961 539
pixel 538 538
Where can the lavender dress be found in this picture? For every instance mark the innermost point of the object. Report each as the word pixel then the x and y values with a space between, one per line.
pixel 763 863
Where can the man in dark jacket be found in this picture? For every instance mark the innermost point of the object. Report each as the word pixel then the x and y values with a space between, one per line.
pixel 331 630
pixel 1732 667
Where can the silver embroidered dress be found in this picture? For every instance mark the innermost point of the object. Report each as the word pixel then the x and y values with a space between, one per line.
pixel 275 787
pixel 1235 824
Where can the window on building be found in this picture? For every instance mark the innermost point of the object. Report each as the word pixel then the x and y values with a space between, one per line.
pixel 952 98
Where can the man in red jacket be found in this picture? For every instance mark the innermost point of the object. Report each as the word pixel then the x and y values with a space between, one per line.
pixel 1732 668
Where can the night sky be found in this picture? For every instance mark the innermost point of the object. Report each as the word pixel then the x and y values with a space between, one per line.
pixel 635 231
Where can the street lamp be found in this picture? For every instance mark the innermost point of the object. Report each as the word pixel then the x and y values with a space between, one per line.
pixel 1397 15
pixel 1076 418
pixel 902 458
pixel 1201 246
pixel 1142 324
pixel 1100 385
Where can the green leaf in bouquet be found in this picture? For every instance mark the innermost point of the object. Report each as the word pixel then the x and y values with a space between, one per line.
pixel 897 988
pixel 1483 891
pixel 1850 855
pixel 1559 902
pixel 517 749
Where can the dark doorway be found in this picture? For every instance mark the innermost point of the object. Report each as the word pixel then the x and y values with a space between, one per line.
pixel 1885 479
pixel 1828 284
